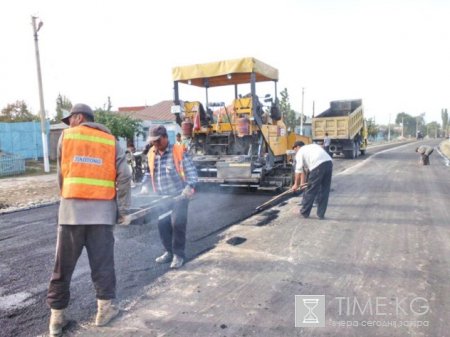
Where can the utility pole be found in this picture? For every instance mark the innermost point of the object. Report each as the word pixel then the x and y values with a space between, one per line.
pixel 41 94
pixel 417 126
pixel 389 128
pixel 301 115
pixel 403 126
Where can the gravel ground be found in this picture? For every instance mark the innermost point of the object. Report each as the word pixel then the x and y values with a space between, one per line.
pixel 27 192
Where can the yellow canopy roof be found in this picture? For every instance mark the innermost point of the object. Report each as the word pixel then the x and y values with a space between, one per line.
pixel 227 72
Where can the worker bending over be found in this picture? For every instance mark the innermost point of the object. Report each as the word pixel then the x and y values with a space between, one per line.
pixel 320 166
pixel 424 152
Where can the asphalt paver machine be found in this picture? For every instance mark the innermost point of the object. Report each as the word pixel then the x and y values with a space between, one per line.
pixel 243 142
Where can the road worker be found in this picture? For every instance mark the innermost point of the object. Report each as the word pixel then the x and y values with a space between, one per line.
pixel 327 143
pixel 94 181
pixel 424 152
pixel 172 173
pixel 320 166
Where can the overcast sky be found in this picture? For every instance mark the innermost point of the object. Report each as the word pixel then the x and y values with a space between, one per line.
pixel 393 54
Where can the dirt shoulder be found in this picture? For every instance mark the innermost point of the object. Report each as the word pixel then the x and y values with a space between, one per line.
pixel 26 192
pixel 445 148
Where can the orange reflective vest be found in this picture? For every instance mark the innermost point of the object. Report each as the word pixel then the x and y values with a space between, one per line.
pixel 177 153
pixel 88 164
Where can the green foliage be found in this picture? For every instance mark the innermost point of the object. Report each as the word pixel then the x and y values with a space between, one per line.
pixel 433 129
pixel 390 128
pixel 120 126
pixel 17 112
pixel 62 103
pixel 288 114
pixel 372 128
pixel 109 104
pixel 410 123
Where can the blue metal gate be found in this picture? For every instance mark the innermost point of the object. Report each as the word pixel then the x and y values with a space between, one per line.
pixel 23 139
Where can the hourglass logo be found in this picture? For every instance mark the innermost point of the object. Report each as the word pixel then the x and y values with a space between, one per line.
pixel 309 310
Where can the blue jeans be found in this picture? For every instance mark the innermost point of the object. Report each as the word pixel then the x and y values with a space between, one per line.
pixel 172 228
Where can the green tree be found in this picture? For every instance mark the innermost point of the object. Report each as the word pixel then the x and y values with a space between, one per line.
pixel 445 121
pixel 17 112
pixel 408 123
pixel 109 104
pixel 420 123
pixel 433 129
pixel 287 112
pixel 372 129
pixel 62 103
pixel 120 126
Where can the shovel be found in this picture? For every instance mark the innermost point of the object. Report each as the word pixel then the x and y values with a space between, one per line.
pixel 277 198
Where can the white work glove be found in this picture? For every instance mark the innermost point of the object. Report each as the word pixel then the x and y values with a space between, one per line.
pixel 188 192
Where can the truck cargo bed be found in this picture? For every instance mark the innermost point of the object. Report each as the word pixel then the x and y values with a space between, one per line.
pixel 340 121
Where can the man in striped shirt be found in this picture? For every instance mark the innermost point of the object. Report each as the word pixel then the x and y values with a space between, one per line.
pixel 172 173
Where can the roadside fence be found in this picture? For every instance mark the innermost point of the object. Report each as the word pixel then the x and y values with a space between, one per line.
pixel 11 164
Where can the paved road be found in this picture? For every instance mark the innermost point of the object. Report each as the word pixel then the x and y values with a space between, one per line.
pixel 27 248
pixel 381 259
pixel 28 239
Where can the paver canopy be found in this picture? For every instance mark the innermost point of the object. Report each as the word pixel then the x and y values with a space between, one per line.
pixel 236 71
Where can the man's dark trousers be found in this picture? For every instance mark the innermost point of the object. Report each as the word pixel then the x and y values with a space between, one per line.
pixel 172 228
pixel 319 182
pixel 99 243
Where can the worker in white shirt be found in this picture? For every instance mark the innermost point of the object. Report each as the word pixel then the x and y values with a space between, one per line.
pixel 320 166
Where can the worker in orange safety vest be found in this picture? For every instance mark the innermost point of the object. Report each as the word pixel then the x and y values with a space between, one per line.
pixel 172 173
pixel 94 181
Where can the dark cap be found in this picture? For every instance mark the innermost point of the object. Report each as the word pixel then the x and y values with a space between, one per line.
pixel 157 132
pixel 79 108
pixel 298 143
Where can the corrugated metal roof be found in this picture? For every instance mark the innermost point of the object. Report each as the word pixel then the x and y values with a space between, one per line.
pixel 158 112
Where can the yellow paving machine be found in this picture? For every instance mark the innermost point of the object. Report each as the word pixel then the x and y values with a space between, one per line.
pixel 243 142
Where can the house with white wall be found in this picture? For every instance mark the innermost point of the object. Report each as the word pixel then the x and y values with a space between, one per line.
pixel 150 116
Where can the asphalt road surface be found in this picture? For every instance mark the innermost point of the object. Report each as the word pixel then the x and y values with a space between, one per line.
pixel 28 237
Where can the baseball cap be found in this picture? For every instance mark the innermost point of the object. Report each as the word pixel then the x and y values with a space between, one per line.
pixel 157 132
pixel 298 143
pixel 79 108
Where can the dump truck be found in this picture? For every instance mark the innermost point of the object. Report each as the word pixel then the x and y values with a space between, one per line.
pixel 240 143
pixel 344 122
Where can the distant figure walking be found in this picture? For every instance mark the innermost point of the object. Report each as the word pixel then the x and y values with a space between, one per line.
pixel 327 143
pixel 424 152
